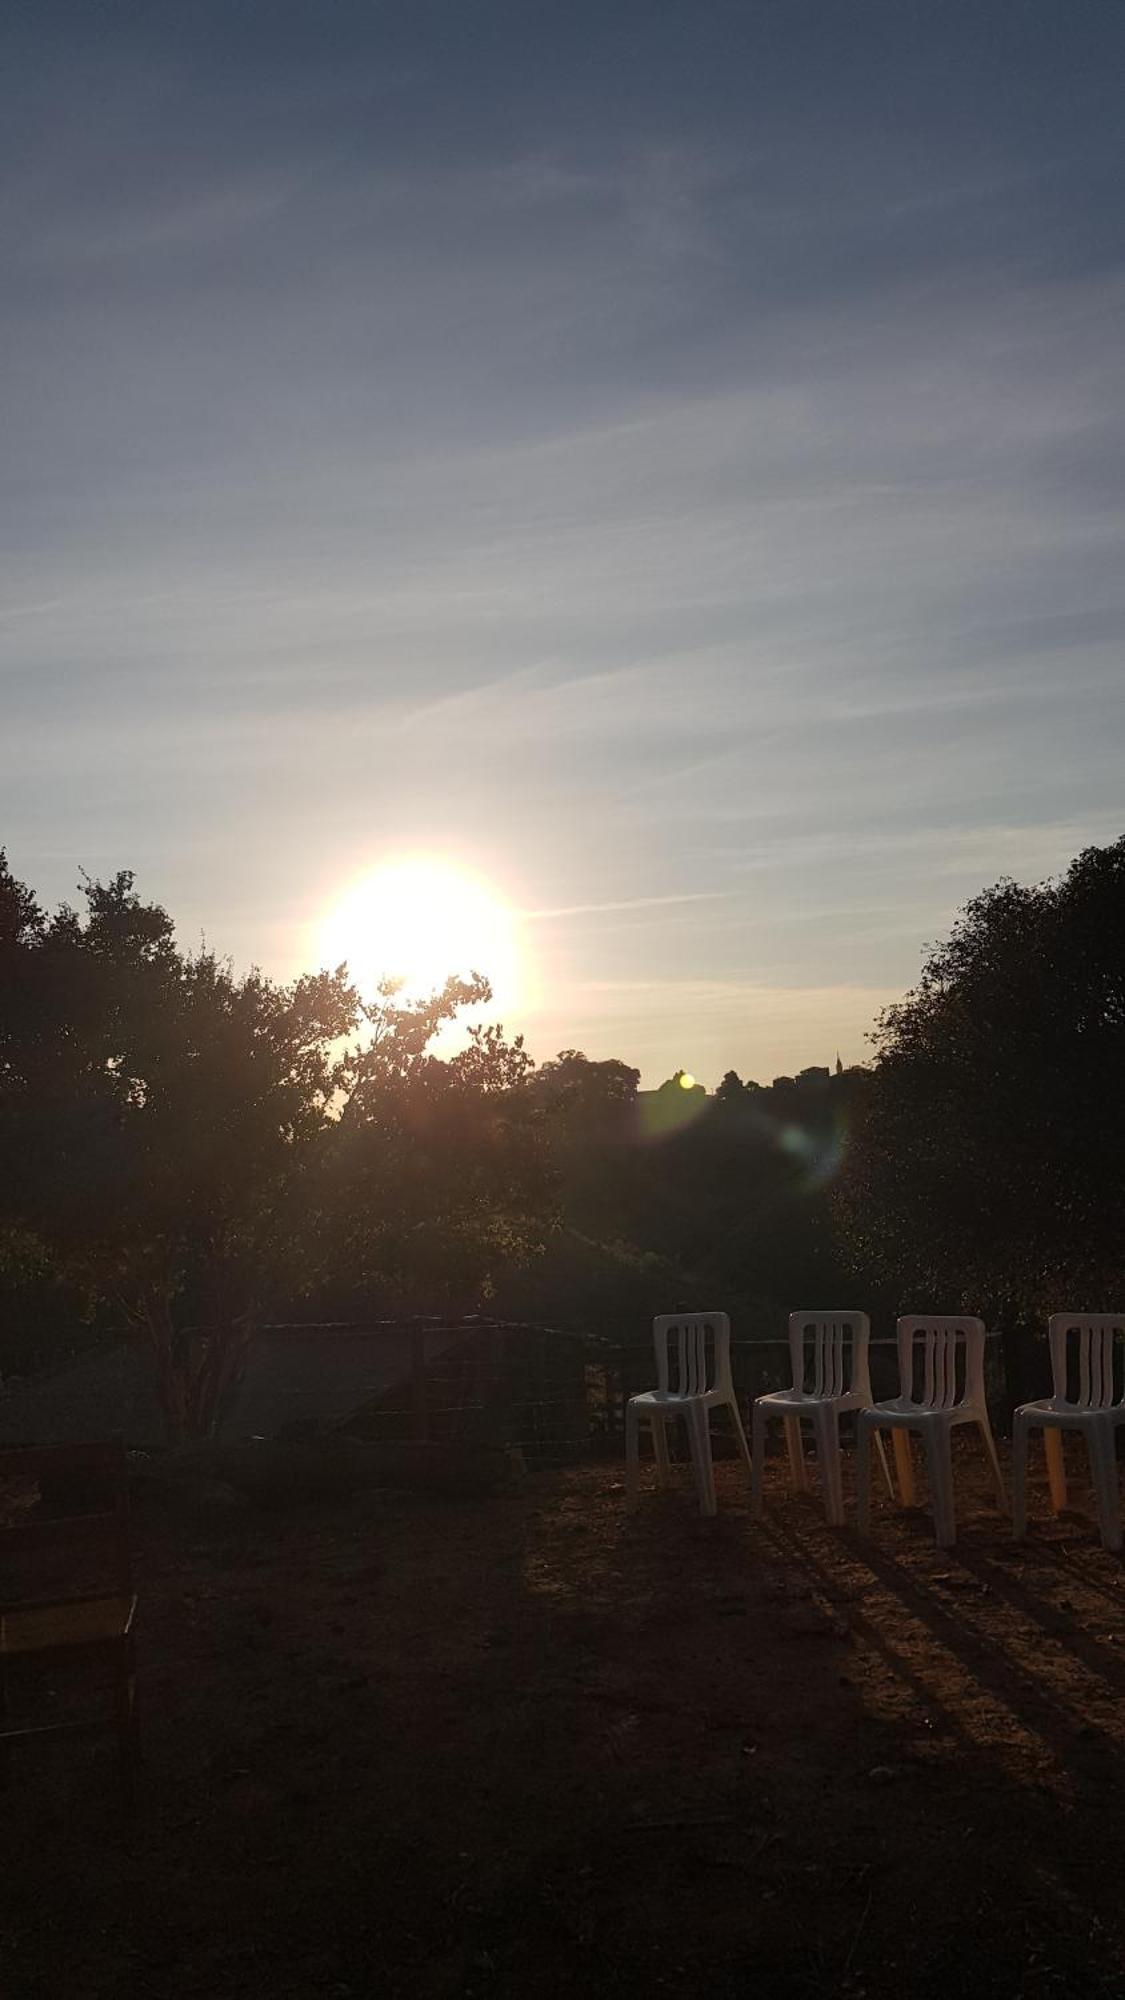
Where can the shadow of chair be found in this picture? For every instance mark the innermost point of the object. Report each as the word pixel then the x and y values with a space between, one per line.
pixel 75 1531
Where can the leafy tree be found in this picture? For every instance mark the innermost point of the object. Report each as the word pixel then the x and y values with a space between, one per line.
pixel 590 1125
pixel 679 1081
pixel 731 1089
pixel 197 1146
pixel 159 1120
pixel 738 1197
pixel 577 1090
pixel 725 1200
pixel 593 1285
pixel 985 1168
pixel 439 1172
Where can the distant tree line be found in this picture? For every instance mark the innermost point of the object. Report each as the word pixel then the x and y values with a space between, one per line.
pixel 184 1151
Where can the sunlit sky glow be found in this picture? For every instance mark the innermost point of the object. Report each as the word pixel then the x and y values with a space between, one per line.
pixel 664 462
pixel 418 920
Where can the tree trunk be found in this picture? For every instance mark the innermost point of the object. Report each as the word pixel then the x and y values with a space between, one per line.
pixel 221 1361
pixel 197 1369
pixel 156 1316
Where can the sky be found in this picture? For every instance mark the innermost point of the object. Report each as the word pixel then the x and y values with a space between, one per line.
pixel 664 459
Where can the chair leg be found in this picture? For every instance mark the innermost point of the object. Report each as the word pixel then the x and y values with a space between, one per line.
pixel 757 1455
pixel 863 1430
pixel 1103 1464
pixel 904 1467
pixel 939 1465
pixel 798 1471
pixel 740 1436
pixel 826 1429
pixel 660 1451
pixel 1056 1466
pixel 985 1429
pixel 699 1434
pixel 1020 1432
pixel 632 1452
pixel 882 1451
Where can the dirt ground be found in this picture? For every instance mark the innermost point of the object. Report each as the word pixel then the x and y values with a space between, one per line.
pixel 540 1745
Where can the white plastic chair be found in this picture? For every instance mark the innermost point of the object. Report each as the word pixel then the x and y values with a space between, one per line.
pixel 693 1378
pixel 952 1392
pixel 1092 1342
pixel 828 1351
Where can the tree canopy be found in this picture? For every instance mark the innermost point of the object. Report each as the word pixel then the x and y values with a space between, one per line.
pixel 158 1118
pixel 986 1164
pixel 195 1145
pixel 194 1149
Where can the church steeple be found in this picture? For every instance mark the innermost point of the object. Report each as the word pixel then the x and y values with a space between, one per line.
pixel 839 1064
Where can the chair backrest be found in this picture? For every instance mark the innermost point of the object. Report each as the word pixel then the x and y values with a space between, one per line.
pixel 829 1353
pixel 692 1352
pixel 62 1505
pixel 950 1351
pixel 1088 1359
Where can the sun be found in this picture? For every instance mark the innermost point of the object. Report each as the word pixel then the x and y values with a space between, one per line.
pixel 418 921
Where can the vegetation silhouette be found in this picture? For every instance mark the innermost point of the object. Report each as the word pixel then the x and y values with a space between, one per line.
pixel 984 1165
pixel 185 1151
pixel 189 1149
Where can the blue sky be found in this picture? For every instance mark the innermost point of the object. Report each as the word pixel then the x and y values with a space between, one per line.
pixel 666 459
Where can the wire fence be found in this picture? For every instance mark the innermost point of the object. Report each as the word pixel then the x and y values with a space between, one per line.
pixel 549 1392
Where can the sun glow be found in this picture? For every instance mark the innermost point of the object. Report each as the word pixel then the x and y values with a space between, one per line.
pixel 418 921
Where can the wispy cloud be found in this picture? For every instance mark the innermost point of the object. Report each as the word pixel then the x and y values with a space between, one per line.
pixel 698 505
pixel 627 903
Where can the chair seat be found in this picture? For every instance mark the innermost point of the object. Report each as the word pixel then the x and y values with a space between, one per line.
pixel 670 1399
pixel 795 1401
pixel 1048 1411
pixel 49 1628
pixel 902 1414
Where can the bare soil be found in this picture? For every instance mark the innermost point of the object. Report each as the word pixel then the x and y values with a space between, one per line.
pixel 540 1745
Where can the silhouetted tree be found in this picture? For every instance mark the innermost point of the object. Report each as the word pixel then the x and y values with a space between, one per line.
pixel 731 1089
pixel 158 1122
pixel 197 1146
pixel 986 1165
pixel 679 1081
pixel 572 1087
pixel 439 1172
